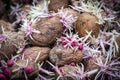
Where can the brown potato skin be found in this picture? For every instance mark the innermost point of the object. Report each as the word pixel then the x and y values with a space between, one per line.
pixel 6 48
pixel 26 8
pixel 87 22
pixel 50 28
pixel 57 4
pixel 32 53
pixel 62 56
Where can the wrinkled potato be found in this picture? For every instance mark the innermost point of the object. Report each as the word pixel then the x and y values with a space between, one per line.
pixel 87 22
pixel 12 41
pixel 54 5
pixel 20 65
pixel 61 56
pixel 90 65
pixel 50 29
pixel 37 54
pixel 6 49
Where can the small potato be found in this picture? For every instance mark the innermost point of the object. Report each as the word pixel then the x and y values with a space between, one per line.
pixel 87 22
pixel 37 54
pixel 10 46
pixel 20 67
pixel 9 40
pixel 54 5
pixel 50 29
pixel 62 56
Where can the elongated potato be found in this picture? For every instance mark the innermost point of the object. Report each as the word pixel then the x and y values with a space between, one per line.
pixel 118 43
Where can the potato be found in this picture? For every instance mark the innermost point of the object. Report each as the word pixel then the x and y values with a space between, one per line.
pixel 62 56
pixel 54 5
pixel 21 66
pixel 12 42
pixel 50 28
pixel 37 54
pixel 72 12
pixel 118 43
pixel 87 22
pixel 6 49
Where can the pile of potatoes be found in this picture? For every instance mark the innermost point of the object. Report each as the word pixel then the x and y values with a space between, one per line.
pixel 41 50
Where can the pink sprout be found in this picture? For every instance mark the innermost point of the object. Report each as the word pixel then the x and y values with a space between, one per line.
pixel 108 67
pixel 20 16
pixel 27 27
pixel 80 47
pixel 58 70
pixel 15 9
pixel 51 14
pixel 21 48
pixel 28 69
pixel 91 54
pixel 6 71
pixel 69 40
pixel 2 37
pixel 66 18
pixel 106 40
pixel 72 64
pixel 74 44
pixel 10 63
pixel 2 77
